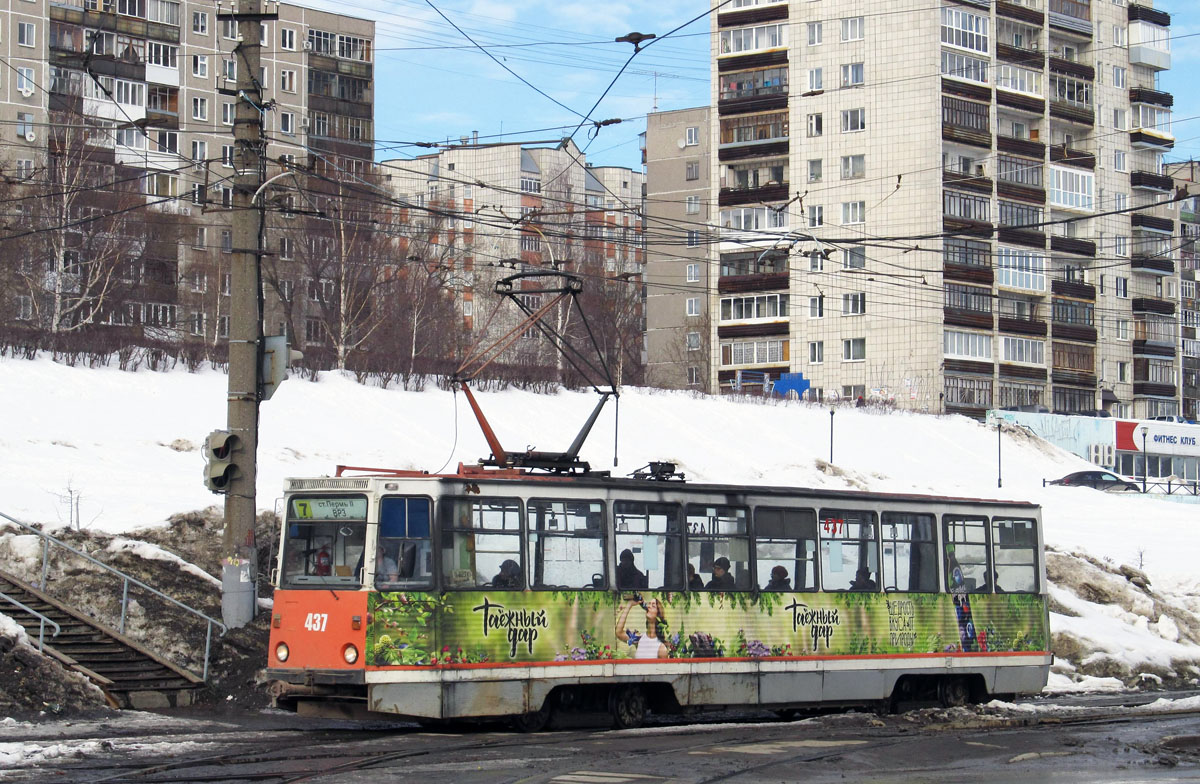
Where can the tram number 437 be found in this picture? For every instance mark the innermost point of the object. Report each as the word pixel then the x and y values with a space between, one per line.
pixel 315 622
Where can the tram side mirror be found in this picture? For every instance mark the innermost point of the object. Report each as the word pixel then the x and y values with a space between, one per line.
pixel 597 581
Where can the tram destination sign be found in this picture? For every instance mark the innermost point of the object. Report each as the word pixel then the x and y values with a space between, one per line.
pixel 320 508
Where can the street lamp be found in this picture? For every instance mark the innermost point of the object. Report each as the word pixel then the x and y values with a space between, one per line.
pixel 831 412
pixel 1145 457
pixel 999 463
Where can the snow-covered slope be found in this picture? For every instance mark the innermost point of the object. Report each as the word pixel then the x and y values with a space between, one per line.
pixel 124 449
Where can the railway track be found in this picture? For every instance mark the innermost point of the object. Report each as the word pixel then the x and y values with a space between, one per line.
pixel 276 756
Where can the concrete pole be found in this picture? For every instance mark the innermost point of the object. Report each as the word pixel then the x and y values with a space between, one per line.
pixel 240 563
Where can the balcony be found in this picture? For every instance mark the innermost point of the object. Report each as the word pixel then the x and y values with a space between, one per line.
pixel 1154 265
pixel 768 281
pixel 972 319
pixel 756 330
pixel 1148 389
pixel 764 12
pixel 977 183
pixel 1074 289
pixel 1154 348
pixel 1160 307
pixel 1152 222
pixel 1073 245
pixel 1080 332
pixel 1024 10
pixel 771 191
pixel 1065 155
pixel 1072 112
pixel 1145 139
pixel 1149 181
pixel 1153 97
pixel 1031 148
pixel 1073 15
pixel 1021 325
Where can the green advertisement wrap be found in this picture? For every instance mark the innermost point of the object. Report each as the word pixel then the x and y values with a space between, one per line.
pixel 521 627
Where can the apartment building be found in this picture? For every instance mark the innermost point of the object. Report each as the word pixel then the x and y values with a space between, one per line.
pixel 677 153
pixel 1187 175
pixel 947 206
pixel 486 211
pixel 142 93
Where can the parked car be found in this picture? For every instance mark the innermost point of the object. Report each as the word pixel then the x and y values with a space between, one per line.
pixel 1173 418
pixel 1100 480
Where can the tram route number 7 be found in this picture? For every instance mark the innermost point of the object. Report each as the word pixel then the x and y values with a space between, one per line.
pixel 316 622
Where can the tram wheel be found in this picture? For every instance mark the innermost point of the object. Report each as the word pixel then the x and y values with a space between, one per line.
pixel 534 721
pixel 627 704
pixel 954 691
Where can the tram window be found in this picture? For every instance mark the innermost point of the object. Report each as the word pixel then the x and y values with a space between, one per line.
pixel 1014 553
pixel 786 539
pixel 404 550
pixel 566 544
pixel 652 533
pixel 849 550
pixel 719 546
pixel 481 543
pixel 910 561
pixel 965 540
pixel 324 542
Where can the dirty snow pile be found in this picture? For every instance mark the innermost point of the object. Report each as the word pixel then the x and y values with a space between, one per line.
pixel 115 451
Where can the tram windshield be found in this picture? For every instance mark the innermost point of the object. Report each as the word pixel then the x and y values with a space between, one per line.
pixel 323 545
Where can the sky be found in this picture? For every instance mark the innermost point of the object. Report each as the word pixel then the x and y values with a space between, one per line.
pixel 433 84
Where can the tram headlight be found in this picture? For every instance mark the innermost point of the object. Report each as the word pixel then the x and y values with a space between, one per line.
pixel 281 652
pixel 350 654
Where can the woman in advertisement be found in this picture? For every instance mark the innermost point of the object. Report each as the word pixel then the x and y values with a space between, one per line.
pixel 649 645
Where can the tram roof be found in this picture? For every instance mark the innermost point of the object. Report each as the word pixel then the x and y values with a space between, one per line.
pixel 596 480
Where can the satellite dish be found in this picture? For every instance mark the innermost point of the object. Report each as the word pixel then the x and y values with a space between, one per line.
pixel 682 143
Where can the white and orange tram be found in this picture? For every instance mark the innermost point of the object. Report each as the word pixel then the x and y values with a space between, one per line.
pixel 503 593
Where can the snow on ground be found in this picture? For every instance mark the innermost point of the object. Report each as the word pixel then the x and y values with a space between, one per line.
pixel 124 450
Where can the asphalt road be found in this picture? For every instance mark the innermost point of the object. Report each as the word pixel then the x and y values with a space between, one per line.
pixel 1099 743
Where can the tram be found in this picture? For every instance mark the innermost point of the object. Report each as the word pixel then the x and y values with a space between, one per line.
pixel 503 592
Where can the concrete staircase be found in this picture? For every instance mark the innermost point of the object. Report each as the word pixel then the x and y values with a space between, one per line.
pixel 129 674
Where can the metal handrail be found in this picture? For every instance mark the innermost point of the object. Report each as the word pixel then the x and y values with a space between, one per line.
pixel 43 620
pixel 47 539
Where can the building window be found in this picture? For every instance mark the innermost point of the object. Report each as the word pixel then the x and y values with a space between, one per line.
pixel 227 155
pixel 854 349
pixel 200 66
pixel 814 170
pixel 815 124
pixel 816 261
pixel 199 108
pixel 25 80
pixel 816 307
pixel 227 113
pixel 966 206
pixel 815 79
pixel 226 241
pixel 24 168
pixel 816 216
pixel 692 170
pixel 760 306
pixel 965 30
pixel 1119 163
pixel 852 75
pixel 816 33
pixel 321 42
pixel 693 306
pixel 692 136
pixel 693 341
pixel 854 304
pixel 24 125
pixel 974 392
pixel 200 22
pixel 287 39
pixel 749 39
pixel 693 273
pixel 531 185
pixel 229 29
pixel 287 123
pixel 972 298
pixel 1021 269
pixel 1120 35
pixel 854 120
pixel 692 205
pixel 816 352
pixel 1072 189
pixel 354 48
pixel 287 81
pixel 961 66
pixel 754 352
pixel 967 345
pixel 693 238
pixel 852 28
pixel 693 376
pixel 854 212
pixel 1121 287
pixel 26 34
pixel 854 257
pixel 201 240
pixel 854 167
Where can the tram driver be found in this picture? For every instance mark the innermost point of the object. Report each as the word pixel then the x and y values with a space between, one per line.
pixel 386 570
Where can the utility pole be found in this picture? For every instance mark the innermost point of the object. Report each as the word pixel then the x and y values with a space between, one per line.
pixel 240 554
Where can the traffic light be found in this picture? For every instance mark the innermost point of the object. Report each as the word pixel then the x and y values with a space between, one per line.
pixel 219 468
pixel 277 357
